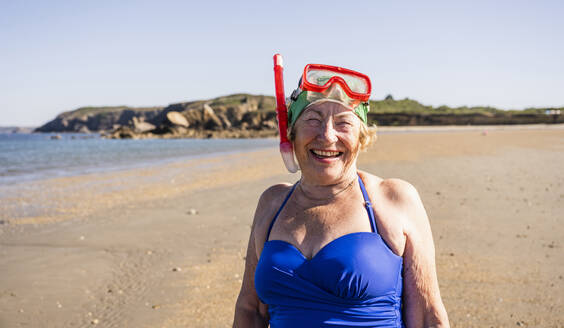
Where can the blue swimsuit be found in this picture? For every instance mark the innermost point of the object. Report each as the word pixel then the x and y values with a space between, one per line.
pixel 354 281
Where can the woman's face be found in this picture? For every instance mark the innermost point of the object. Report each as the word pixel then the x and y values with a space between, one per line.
pixel 326 142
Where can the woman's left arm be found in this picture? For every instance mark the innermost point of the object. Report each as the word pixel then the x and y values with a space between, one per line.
pixel 422 303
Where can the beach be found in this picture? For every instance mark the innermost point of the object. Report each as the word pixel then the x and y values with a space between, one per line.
pixel 164 245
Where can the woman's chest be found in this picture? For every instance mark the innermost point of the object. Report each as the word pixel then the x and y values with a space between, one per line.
pixel 353 266
pixel 313 228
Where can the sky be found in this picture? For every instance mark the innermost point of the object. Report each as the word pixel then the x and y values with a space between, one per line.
pixel 56 56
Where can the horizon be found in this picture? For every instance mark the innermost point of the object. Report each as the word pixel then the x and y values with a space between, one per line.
pixel 65 55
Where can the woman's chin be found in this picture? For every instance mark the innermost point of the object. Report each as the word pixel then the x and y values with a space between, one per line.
pixel 326 174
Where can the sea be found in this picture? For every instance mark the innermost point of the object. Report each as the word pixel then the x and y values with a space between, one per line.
pixel 33 156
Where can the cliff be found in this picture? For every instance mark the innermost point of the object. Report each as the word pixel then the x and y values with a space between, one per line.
pixel 97 119
pixel 246 116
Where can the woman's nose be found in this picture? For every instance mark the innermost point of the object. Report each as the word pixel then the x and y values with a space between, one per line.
pixel 328 133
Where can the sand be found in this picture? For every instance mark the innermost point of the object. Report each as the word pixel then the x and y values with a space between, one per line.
pixel 164 246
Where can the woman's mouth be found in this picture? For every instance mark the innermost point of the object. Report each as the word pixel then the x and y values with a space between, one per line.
pixel 324 154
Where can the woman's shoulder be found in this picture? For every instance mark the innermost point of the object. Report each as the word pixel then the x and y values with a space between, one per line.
pixel 392 190
pixel 399 198
pixel 276 191
pixel 398 207
pixel 273 196
pixel 270 200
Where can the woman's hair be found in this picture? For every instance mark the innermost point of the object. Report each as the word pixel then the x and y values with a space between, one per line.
pixel 366 137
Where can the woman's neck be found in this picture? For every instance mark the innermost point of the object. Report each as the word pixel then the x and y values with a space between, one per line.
pixel 314 191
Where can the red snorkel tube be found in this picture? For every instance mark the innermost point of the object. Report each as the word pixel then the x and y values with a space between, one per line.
pixel 286 149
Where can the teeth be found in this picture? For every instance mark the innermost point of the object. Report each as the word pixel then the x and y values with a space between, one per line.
pixel 325 153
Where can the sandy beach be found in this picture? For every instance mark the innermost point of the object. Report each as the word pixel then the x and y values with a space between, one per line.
pixel 164 246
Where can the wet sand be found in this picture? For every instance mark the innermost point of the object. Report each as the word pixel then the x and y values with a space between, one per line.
pixel 164 246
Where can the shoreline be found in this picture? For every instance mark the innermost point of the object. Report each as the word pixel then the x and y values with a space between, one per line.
pixel 164 246
pixel 26 178
pixel 174 152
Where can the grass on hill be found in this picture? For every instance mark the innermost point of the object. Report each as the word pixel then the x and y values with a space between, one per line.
pixel 268 103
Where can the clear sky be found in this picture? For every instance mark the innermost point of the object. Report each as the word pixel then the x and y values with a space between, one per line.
pixel 56 56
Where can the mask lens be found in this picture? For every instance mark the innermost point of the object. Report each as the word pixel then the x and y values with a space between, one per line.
pixel 321 77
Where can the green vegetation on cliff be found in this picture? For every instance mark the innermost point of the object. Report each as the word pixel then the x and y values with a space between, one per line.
pixel 91 110
pixel 268 103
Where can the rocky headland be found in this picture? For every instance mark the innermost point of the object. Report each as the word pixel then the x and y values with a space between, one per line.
pixel 251 116
pixel 233 116
pixel 16 129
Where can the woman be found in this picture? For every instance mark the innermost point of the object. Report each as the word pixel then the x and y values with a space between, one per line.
pixel 341 247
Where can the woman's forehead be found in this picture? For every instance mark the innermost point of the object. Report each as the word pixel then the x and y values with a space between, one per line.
pixel 329 108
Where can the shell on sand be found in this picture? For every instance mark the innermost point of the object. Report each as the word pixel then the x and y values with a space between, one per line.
pixel 177 119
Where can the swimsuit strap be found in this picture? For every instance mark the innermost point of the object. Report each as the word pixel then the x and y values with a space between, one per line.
pixel 280 210
pixel 368 206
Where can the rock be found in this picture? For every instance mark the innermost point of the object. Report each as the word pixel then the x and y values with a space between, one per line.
pixel 224 121
pixel 140 126
pixel 177 119
pixel 84 129
pixel 155 307
pixel 211 121
pixel 124 132
pixel 98 118
pixel 16 129
pixel 252 119
pixel 192 211
pixel 176 269
pixel 179 130
pixel 95 321
pixel 269 125
pixel 259 120
pixel 194 117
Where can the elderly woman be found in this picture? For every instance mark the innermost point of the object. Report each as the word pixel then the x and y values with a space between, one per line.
pixel 340 247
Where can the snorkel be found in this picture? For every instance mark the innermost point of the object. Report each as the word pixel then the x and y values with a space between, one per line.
pixel 286 149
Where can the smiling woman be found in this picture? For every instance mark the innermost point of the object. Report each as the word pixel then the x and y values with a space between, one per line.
pixel 326 142
pixel 340 247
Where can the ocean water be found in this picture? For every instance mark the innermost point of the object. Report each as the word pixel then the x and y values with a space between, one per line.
pixel 25 157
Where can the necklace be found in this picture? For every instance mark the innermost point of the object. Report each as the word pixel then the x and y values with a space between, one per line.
pixel 328 198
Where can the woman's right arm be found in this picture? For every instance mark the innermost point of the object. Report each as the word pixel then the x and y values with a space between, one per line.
pixel 249 310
